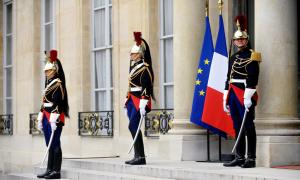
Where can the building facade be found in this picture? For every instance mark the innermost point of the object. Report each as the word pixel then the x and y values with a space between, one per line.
pixel 93 39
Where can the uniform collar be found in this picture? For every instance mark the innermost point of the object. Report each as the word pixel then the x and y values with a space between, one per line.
pixel 134 63
pixel 51 79
pixel 243 49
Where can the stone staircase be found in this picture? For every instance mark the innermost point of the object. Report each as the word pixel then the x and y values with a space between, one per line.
pixel 115 169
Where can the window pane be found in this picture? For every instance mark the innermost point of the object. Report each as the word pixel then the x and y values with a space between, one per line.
pixel 8 82
pixel 48 10
pixel 99 28
pixel 168 17
pixel 100 97
pixel 9 19
pixel 8 106
pixel 99 3
pixel 168 60
pixel 169 97
pixel 48 37
pixel 8 60
pixel 100 64
pixel 110 24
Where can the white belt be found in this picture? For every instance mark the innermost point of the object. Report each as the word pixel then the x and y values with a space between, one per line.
pixel 134 89
pixel 48 104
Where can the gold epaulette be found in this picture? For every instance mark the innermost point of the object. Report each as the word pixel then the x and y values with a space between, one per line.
pixel 146 64
pixel 255 56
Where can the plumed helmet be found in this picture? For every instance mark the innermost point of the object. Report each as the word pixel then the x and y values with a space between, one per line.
pixel 139 46
pixel 51 60
pixel 241 32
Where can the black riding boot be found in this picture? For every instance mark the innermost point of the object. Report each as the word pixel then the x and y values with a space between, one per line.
pixel 239 152
pixel 49 165
pixel 55 174
pixel 135 152
pixel 250 161
pixel 139 158
pixel 235 162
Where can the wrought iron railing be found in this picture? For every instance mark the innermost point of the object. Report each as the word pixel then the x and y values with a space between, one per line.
pixel 95 123
pixel 158 121
pixel 33 124
pixel 6 124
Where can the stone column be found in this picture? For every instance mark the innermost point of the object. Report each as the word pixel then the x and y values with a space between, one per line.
pixel 277 119
pixel 186 141
pixel 187 44
pixel 25 61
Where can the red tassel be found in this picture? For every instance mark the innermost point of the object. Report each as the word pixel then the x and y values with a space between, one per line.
pixel 137 38
pixel 243 22
pixel 53 55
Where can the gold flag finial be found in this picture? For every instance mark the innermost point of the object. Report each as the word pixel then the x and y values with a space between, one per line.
pixel 220 3
pixel 206 8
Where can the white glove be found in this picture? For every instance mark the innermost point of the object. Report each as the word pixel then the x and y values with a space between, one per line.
pixel 53 126
pixel 125 111
pixel 247 97
pixel 53 120
pixel 142 106
pixel 126 99
pixel 225 106
pixel 40 118
pixel 125 108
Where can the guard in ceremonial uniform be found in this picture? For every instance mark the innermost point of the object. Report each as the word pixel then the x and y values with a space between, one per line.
pixel 240 94
pixel 140 92
pixel 53 111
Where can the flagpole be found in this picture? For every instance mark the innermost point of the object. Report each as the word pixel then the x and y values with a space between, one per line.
pixel 206 8
pixel 207 132
pixel 220 4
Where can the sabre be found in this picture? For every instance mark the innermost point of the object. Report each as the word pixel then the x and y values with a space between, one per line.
pixel 49 144
pixel 136 134
pixel 241 129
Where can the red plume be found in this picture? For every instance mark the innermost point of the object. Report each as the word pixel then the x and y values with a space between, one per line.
pixel 243 22
pixel 137 38
pixel 53 55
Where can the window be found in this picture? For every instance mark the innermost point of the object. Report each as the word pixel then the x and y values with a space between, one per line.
pixel 48 33
pixel 8 56
pixel 102 55
pixel 166 53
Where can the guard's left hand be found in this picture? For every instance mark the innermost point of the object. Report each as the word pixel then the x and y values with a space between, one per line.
pixel 247 97
pixel 142 106
pixel 247 103
pixel 53 126
pixel 143 111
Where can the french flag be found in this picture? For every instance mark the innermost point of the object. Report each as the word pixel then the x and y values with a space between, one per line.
pixel 213 113
pixel 201 81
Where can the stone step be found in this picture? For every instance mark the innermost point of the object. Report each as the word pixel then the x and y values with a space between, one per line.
pixel 20 176
pixel 177 170
pixel 85 174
